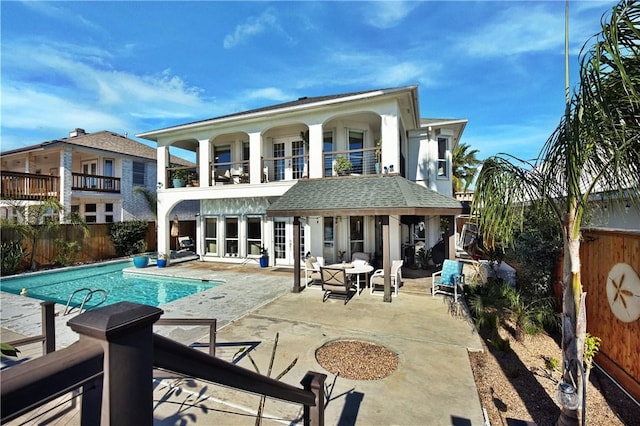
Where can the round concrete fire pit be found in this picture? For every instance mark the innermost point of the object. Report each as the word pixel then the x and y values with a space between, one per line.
pixel 357 360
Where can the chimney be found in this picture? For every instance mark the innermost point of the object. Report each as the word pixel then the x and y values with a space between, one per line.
pixel 77 132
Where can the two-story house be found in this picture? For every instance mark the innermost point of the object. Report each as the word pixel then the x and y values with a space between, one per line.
pixel 328 175
pixel 92 174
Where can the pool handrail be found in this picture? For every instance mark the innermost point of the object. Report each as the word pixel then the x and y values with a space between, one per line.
pixel 86 298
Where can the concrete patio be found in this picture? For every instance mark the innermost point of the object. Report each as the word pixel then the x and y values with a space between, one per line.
pixel 433 384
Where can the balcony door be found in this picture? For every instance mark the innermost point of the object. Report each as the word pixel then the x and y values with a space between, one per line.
pixel 90 168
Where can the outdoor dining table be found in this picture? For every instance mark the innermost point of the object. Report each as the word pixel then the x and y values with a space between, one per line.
pixel 356 270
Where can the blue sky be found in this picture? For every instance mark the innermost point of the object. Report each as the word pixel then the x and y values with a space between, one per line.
pixel 138 66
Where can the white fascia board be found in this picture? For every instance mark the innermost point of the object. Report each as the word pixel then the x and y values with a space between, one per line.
pixel 154 134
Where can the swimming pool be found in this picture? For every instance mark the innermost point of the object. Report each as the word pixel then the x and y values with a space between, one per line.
pixel 57 286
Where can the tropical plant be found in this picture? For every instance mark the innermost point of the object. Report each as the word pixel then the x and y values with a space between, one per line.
pixel 595 146
pixel 11 255
pixel 39 219
pixel 8 350
pixel 465 167
pixel 128 237
pixel 182 174
pixel 67 251
pixel 150 197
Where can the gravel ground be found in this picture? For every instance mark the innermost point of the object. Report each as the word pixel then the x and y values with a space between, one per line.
pixel 516 386
pixel 357 360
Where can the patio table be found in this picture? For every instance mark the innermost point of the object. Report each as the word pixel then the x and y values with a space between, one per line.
pixel 354 270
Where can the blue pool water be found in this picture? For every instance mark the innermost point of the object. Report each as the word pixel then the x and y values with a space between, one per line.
pixel 57 286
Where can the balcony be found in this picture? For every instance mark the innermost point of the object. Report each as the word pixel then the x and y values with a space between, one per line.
pixel 28 186
pixel 86 182
pixel 362 162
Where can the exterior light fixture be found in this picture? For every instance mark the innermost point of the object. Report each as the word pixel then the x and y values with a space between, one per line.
pixel 568 396
pixel 159 185
pixel 627 207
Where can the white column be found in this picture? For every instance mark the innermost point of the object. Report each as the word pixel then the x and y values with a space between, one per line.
pixel 204 157
pixel 66 164
pixel 162 162
pixel 316 160
pixel 255 158
pixel 390 142
pixel 163 228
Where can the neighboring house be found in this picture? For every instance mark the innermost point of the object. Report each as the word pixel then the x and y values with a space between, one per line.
pixel 271 177
pixel 92 174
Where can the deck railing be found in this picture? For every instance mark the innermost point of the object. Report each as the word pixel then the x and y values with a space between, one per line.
pixel 87 182
pixel 113 362
pixel 28 186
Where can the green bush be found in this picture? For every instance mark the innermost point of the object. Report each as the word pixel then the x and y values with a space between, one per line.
pixel 128 237
pixel 67 252
pixel 11 255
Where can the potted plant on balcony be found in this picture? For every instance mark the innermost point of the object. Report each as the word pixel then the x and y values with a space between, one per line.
pixel 162 260
pixel 342 166
pixel 180 177
pixel 264 258
pixel 378 155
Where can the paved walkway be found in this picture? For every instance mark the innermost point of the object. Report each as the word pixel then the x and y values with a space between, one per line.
pixel 433 384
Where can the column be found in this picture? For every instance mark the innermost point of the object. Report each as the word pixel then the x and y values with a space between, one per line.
pixel 204 162
pixel 390 142
pixel 316 158
pixel 255 158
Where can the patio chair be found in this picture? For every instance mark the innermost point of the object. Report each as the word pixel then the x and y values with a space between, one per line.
pixel 359 255
pixel 377 279
pixel 185 243
pixel 312 269
pixel 336 283
pixel 449 278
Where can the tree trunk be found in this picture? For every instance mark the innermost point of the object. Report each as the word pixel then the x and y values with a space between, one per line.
pixel 574 321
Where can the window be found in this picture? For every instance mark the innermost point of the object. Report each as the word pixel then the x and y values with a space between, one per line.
pixel 442 156
pixel 108 209
pixel 298 159
pixel 328 245
pixel 90 208
pixel 278 161
pixel 327 146
pixel 280 239
pixel 138 173
pixel 90 213
pixel 245 158
pixel 356 143
pixel 90 168
pixel 108 171
pixel 254 235
pixel 231 236
pixel 356 233
pixel 211 235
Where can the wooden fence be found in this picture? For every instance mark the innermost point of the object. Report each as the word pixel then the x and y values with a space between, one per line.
pixel 95 246
pixel 619 353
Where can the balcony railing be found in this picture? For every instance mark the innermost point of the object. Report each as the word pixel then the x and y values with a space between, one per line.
pixel 285 168
pixel 231 172
pixel 28 186
pixel 362 162
pixel 87 182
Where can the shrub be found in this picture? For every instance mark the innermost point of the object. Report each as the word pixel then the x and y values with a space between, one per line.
pixel 67 252
pixel 128 237
pixel 11 255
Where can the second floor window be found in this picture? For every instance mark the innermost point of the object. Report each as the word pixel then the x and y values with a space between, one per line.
pixel 443 147
pixel 356 144
pixel 327 146
pixel 138 173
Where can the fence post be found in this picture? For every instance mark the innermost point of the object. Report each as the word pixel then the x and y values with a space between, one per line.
pixel 314 382
pixel 125 331
pixel 48 327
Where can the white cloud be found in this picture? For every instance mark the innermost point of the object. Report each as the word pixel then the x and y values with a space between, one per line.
pixel 387 14
pixel 268 93
pixel 62 14
pixel 251 28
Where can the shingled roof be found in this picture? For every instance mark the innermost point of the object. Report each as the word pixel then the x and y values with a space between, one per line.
pixel 362 195
pixel 109 142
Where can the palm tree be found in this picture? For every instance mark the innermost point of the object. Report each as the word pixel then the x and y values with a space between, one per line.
pixel 150 197
pixel 596 146
pixel 39 219
pixel 464 167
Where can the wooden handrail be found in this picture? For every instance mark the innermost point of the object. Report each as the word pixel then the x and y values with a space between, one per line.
pixel 48 336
